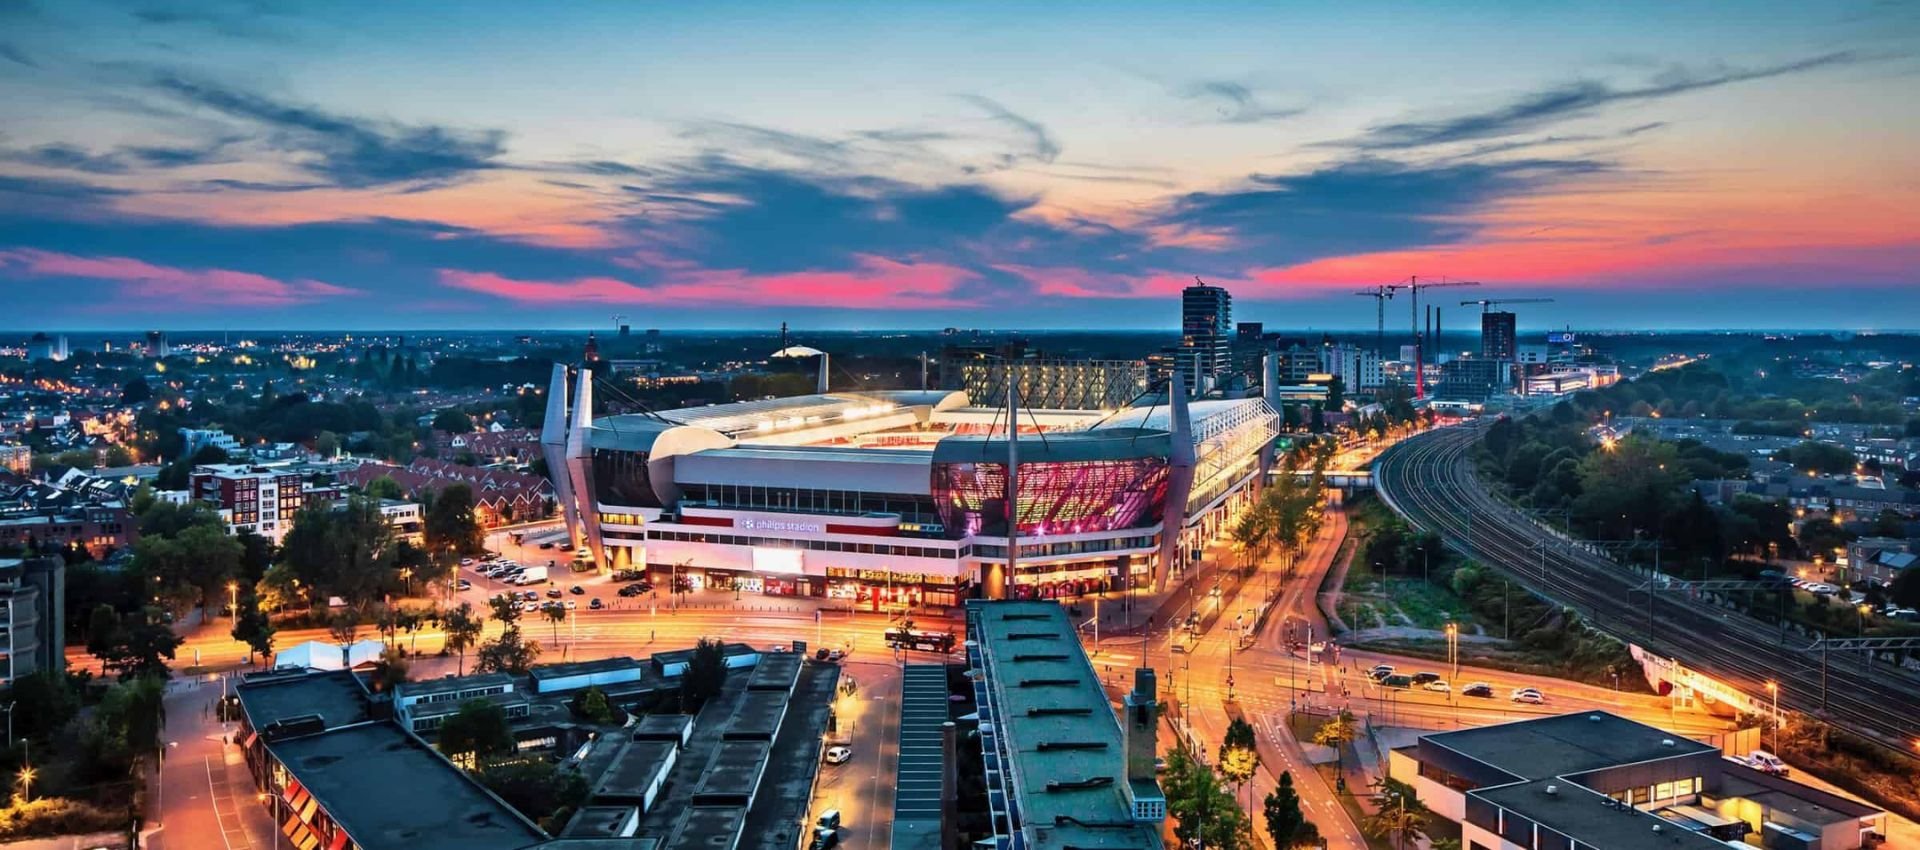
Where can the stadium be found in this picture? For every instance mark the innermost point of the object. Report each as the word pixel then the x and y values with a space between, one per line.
pixel 899 498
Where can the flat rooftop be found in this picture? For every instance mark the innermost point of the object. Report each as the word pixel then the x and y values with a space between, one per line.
pixel 634 769
pixel 1565 744
pixel 734 770
pixel 455 684
pixel 392 792
pixel 581 668
pixel 662 727
pixel 336 695
pixel 708 828
pixel 1583 814
pixel 758 715
pixel 600 821
pixel 775 671
pixel 1059 730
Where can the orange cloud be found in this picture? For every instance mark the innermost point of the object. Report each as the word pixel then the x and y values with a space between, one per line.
pixel 875 283
pixel 158 286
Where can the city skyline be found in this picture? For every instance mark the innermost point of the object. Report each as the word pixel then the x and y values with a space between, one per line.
pixel 251 165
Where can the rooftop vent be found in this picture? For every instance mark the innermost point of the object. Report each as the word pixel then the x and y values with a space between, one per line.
pixel 1033 636
pixel 1011 617
pixel 1047 712
pixel 1041 656
pixel 1048 746
pixel 1042 683
pixel 1666 742
pixel 1079 784
pixel 1594 717
pixel 1553 790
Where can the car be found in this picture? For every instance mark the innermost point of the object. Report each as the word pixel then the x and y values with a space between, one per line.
pixel 572 604
pixel 529 595
pixel 1477 689
pixel 630 590
pixel 835 655
pixel 780 647
pixel 594 604
pixel 1397 681
pixel 1766 762
pixel 1423 678
pixel 1159 765
pixel 1822 589
pixel 553 593
pixel 839 754
pixel 547 545
pixel 462 584
pixel 529 607
pixel 466 562
pixel 1529 697
pixel 1380 671
pixel 825 839
pixel 829 819
pixel 1438 686
pixel 577 590
pixel 488 556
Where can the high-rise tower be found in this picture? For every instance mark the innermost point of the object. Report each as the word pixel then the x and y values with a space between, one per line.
pixel 1206 335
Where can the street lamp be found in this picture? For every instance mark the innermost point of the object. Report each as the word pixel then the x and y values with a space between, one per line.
pixel 1773 690
pixel 233 600
pixel 1453 649
pixel 26 783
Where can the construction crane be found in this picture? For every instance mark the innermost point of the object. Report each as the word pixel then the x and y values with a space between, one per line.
pixel 617 319
pixel 1488 302
pixel 1380 294
pixel 1414 285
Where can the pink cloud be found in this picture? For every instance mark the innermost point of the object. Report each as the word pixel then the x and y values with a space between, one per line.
pixel 874 283
pixel 160 286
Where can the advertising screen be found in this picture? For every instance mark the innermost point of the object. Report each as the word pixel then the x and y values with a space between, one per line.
pixel 777 561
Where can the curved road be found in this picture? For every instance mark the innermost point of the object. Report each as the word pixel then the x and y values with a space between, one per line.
pixel 1430 480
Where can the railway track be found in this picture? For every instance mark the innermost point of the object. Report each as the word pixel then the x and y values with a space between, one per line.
pixel 1430 480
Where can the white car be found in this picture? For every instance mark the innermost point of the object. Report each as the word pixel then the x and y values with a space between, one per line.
pixel 1529 696
pixel 466 562
pixel 1438 686
pixel 838 754
pixel 529 607
pixel 571 604
pixel 1767 762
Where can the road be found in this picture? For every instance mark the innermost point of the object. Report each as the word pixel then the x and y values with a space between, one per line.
pixel 1430 480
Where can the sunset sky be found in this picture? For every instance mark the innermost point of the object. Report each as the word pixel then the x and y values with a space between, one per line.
pixel 274 165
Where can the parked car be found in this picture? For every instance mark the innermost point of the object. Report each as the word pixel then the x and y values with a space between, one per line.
pixel 573 604
pixel 1401 682
pixel 1477 689
pixel 1766 762
pixel 825 839
pixel 547 545
pixel 553 593
pixel 1423 678
pixel 829 819
pixel 462 584
pixel 594 604
pixel 1380 671
pixel 530 595
pixel 529 607
pixel 466 562
pixel 577 590
pixel 1438 686
pixel 631 590
pixel 839 754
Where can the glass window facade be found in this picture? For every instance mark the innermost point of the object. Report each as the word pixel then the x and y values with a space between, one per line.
pixel 620 478
pixel 1064 497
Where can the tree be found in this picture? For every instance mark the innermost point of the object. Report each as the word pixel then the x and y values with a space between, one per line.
pixel 43 702
pixel 348 552
pixel 385 487
pixel 540 790
pixel 555 614
pixel 253 627
pixel 1398 813
pixel 450 527
pixel 594 705
pixel 706 672
pixel 1239 748
pixel 103 630
pixel 132 715
pixel 1906 588
pixel 135 392
pixel 463 630
pixel 1203 808
pixel 1337 732
pixel 479 730
pixel 390 671
pixel 1287 826
pixel 508 653
pixel 344 628
pixel 452 421
pixel 326 444
pixel 141 648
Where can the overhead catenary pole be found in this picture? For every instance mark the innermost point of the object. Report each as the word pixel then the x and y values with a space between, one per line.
pixel 1013 476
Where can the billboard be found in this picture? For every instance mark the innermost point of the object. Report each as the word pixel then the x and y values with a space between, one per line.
pixel 777 561
pixel 1560 337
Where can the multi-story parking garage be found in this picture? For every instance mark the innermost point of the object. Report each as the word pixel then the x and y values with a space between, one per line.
pixel 901 497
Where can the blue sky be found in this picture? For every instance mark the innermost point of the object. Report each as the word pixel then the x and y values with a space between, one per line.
pixel 475 165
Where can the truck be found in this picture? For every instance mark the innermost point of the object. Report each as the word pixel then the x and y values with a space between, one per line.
pixel 532 575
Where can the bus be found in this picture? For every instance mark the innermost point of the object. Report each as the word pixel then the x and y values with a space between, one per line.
pixel 899 638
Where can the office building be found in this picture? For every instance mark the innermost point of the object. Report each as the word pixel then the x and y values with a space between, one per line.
pixel 16 458
pixel 1473 379
pixel 260 499
pixel 1206 328
pixel 1597 781
pixel 899 497
pixel 157 344
pixel 44 347
pixel 1061 770
pixel 1498 340
pixel 1046 383
pixel 33 603
pixel 1357 368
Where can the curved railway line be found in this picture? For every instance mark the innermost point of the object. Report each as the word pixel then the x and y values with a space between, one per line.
pixel 1430 480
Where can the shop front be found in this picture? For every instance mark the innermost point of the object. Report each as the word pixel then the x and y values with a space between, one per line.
pixel 886 590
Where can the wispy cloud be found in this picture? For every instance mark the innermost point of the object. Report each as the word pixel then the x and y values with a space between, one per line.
pixel 155 285
pixel 351 152
pixel 1538 109
pixel 1234 103
pixel 1040 143
pixel 67 157
pixel 13 53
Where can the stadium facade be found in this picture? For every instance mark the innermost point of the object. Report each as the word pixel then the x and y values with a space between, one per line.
pixel 900 497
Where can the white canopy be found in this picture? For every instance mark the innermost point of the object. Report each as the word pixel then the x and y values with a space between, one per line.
pixel 320 655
